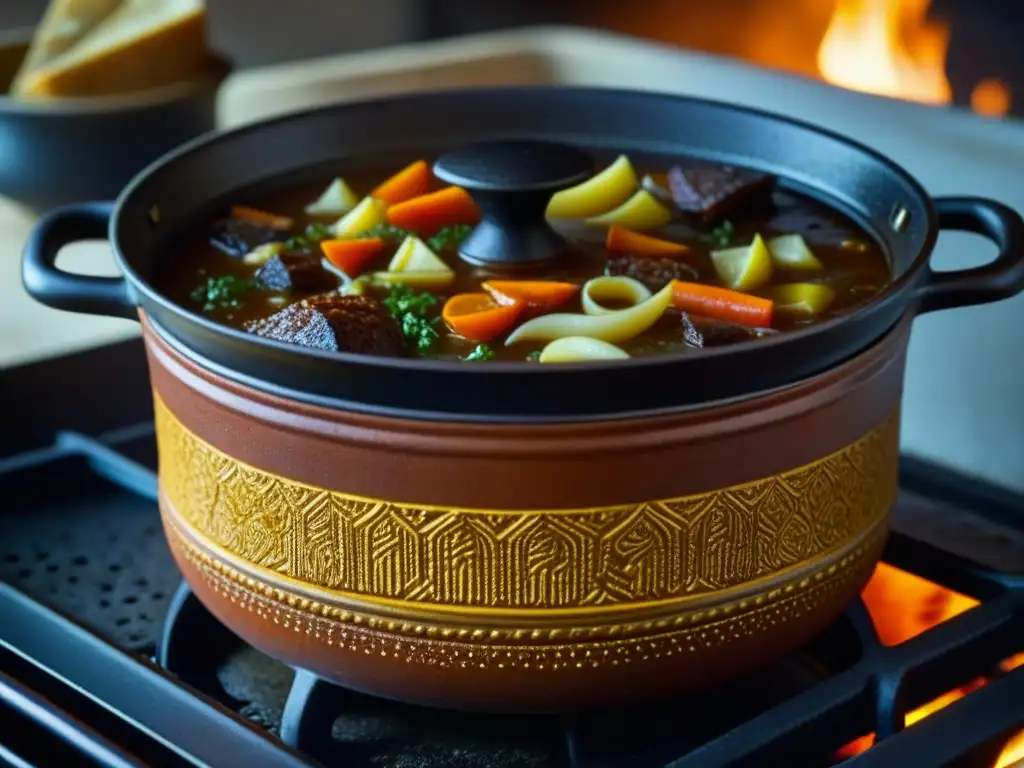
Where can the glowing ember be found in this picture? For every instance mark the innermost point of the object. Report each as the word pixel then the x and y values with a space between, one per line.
pixel 903 605
pixel 991 98
pixel 886 47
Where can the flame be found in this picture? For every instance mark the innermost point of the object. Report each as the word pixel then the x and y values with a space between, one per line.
pixel 1013 755
pixel 887 47
pixel 903 605
pixel 1013 752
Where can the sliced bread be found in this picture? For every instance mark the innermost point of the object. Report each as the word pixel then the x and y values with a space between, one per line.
pixel 140 44
pixel 64 24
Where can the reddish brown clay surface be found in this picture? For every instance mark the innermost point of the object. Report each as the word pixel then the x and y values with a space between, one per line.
pixel 495 466
pixel 529 568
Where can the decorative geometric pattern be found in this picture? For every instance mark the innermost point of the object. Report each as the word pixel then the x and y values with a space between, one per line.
pixel 781 599
pixel 544 559
pixel 565 647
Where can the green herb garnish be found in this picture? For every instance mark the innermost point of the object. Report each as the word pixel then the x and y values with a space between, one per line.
pixel 385 232
pixel 412 311
pixel 314 234
pixel 449 237
pixel 534 357
pixel 223 292
pixel 721 235
pixel 482 352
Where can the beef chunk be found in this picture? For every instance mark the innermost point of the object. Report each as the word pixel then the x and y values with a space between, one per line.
pixel 297 324
pixel 337 323
pixel 700 332
pixel 715 191
pixel 653 272
pixel 691 336
pixel 236 237
pixel 362 325
pixel 285 271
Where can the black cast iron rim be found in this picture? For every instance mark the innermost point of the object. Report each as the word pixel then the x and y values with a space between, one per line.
pixel 897 286
pixel 886 201
pixel 398 412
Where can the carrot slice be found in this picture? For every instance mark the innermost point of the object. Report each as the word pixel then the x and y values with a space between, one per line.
pixel 350 256
pixel 478 317
pixel 722 304
pixel 427 214
pixel 537 296
pixel 256 216
pixel 412 181
pixel 622 240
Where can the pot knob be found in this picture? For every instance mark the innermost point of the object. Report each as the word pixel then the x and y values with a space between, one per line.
pixel 512 182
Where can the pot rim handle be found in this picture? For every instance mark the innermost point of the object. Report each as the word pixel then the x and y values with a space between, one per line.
pixel 1000 279
pixel 65 290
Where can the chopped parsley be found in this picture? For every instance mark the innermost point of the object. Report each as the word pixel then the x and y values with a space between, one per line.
pixel 721 235
pixel 385 232
pixel 450 237
pixel 222 292
pixel 482 352
pixel 446 237
pixel 413 312
pixel 315 232
pixel 534 357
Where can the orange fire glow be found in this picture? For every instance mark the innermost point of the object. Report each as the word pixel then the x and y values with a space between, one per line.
pixel 886 47
pixel 991 98
pixel 891 48
pixel 903 605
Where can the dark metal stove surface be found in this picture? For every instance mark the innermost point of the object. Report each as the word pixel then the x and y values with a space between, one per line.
pixel 90 600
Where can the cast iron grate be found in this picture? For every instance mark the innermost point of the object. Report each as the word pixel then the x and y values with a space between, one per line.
pixel 92 549
pixel 79 531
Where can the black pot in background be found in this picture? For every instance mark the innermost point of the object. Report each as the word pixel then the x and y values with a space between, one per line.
pixel 61 151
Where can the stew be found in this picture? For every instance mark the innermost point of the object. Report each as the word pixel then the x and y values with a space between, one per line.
pixel 671 261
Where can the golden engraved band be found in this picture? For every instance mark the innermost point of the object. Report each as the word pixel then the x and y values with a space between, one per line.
pixel 782 600
pixel 539 649
pixel 626 555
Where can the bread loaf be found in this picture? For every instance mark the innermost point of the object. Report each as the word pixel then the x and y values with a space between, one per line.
pixel 131 46
pixel 66 22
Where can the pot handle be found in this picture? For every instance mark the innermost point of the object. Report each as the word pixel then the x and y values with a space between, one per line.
pixel 64 290
pixel 1000 279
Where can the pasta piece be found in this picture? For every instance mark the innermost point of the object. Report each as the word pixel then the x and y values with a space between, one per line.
pixel 598 194
pixel 604 289
pixel 577 349
pixel 641 211
pixel 615 327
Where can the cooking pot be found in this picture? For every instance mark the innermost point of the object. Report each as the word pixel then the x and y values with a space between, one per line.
pixel 517 537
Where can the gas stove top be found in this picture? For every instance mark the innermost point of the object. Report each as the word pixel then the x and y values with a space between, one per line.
pixel 106 659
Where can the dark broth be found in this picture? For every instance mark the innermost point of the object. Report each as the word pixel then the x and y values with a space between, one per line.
pixel 854 266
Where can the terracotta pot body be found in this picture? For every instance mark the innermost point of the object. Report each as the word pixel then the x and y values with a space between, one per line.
pixel 529 568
